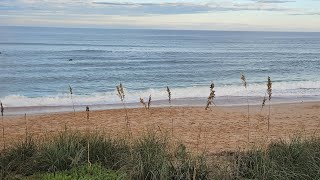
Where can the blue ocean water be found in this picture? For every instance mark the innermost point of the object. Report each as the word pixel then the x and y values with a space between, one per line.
pixel 36 69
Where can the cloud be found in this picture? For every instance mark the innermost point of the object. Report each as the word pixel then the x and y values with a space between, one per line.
pixel 131 8
pixel 211 14
pixel 273 1
pixel 183 8
pixel 306 14
pixel 151 8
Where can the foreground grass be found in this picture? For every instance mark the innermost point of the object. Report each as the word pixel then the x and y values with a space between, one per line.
pixel 296 159
pixel 151 157
pixel 82 173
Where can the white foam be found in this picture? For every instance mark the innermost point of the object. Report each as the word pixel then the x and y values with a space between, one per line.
pixel 282 89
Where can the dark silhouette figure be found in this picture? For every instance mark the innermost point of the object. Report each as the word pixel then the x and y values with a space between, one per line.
pixel 88 114
pixel 70 59
pixel 2 109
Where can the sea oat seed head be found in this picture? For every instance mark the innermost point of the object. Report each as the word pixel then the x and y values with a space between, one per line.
pixel 211 96
pixel 120 92
pixel 211 86
pixel 149 102
pixel 269 90
pixel 243 78
pixel 143 103
pixel 169 94
pixel 121 89
pixel 263 102
pixel 70 90
pixel 2 109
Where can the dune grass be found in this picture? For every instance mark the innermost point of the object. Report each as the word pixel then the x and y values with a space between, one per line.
pixel 148 157
pixel 153 157
pixel 297 159
pixel 82 173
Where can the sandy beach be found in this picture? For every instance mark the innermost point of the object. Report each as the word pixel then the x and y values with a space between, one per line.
pixel 215 130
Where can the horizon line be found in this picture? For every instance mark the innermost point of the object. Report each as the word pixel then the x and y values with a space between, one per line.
pixel 163 29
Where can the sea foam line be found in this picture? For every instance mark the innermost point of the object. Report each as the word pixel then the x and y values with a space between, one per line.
pixel 281 89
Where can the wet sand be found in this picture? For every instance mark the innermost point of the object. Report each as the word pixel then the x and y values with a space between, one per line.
pixel 215 130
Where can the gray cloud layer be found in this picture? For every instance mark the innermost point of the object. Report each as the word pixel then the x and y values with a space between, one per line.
pixel 185 8
pixel 178 14
pixel 114 8
pixel 273 1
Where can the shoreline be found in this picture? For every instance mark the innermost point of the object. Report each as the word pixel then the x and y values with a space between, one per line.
pixel 219 128
pixel 179 102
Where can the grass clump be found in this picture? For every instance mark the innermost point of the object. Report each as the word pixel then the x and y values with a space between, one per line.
pixel 18 159
pixel 187 167
pixel 68 150
pixel 83 173
pixel 152 157
pixel 63 156
pixel 297 159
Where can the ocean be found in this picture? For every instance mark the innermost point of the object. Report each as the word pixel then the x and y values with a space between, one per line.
pixel 38 64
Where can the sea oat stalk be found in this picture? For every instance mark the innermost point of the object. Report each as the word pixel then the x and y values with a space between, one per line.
pixel 26 123
pixel 121 95
pixel 143 103
pixel 169 95
pixel 269 92
pixel 211 96
pixel 88 143
pixel 264 101
pixel 149 102
pixel 244 82
pixel 88 113
pixel 3 134
pixel 169 99
pixel 2 109
pixel 71 93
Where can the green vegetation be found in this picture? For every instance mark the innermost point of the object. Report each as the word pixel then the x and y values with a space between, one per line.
pixel 151 157
pixel 83 173
pixel 297 159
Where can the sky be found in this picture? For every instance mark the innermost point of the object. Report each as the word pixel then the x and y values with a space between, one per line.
pixel 238 15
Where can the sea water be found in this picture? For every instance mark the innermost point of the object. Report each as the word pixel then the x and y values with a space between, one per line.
pixel 37 65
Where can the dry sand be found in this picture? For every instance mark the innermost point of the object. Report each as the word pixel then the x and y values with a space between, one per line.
pixel 215 130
